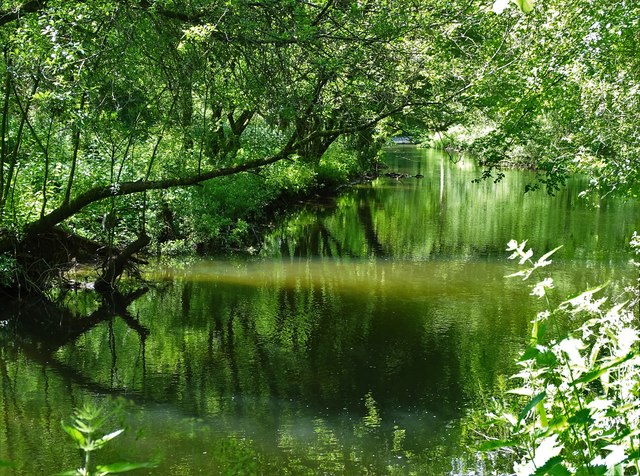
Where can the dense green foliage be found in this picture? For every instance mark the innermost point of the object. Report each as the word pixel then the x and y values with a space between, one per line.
pixel 575 409
pixel 109 107
pixel 558 91
pixel 111 110
pixel 180 124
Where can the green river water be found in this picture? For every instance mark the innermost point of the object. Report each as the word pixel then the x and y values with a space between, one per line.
pixel 354 341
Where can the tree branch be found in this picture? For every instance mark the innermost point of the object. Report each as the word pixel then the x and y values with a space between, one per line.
pixel 98 193
pixel 29 7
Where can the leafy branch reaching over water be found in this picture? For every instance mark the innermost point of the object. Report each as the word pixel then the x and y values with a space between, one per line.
pixel 577 405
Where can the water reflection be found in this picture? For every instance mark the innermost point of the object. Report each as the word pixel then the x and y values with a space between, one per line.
pixel 353 344
pixel 445 216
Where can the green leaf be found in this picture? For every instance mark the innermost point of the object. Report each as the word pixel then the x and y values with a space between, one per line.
pixel 591 471
pixel 534 401
pixel 589 376
pixel 526 6
pixel 542 413
pixel 495 444
pixel 102 441
pixel 71 472
pixel 617 470
pixel 6 464
pixel 74 433
pixel 634 455
pixel 546 359
pixel 581 417
pixel 122 467
pixel 558 423
pixel 553 467
pixel 530 353
pixel 596 373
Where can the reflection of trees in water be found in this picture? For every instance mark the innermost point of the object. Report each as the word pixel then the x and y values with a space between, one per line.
pixel 214 347
pixel 262 353
pixel 32 372
pixel 40 328
pixel 356 237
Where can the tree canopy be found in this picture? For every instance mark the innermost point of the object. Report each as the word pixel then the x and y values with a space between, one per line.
pixel 106 105
pixel 564 96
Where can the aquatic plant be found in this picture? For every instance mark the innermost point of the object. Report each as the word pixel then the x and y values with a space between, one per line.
pixel 576 409
pixel 85 430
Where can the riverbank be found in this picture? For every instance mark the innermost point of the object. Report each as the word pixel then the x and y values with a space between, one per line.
pixel 231 215
pixel 355 342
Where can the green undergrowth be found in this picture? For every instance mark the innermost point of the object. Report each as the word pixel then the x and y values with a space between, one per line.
pixel 573 406
pixel 230 213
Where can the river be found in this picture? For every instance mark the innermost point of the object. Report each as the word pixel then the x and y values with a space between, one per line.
pixel 354 341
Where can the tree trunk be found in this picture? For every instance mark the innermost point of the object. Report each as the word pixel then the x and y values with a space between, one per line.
pixel 116 265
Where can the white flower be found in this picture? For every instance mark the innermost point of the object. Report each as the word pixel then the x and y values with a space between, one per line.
pixel 572 348
pixel 539 289
pixel 543 316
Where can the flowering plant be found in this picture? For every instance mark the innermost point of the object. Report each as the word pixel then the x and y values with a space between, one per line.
pixel 578 407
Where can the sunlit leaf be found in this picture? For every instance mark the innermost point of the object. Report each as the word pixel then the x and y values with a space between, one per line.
pixel 525 5
pixel 122 467
pixel 495 444
pixel 559 422
pixel 531 405
pixel 524 257
pixel 525 392
pixel 589 376
pixel 581 298
pixel 100 442
pixel 546 455
pixel 596 373
pixel 542 261
pixel 525 273
pixel 542 413
pixel 77 436
pixel 553 467
pixel 513 244
pixel 617 470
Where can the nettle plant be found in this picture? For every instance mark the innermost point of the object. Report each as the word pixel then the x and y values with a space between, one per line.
pixel 86 430
pixel 576 409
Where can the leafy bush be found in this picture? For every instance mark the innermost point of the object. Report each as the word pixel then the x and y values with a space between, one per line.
pixel 576 409
pixel 338 164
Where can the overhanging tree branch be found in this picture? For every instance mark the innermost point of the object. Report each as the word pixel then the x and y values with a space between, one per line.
pixel 102 192
pixel 33 6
